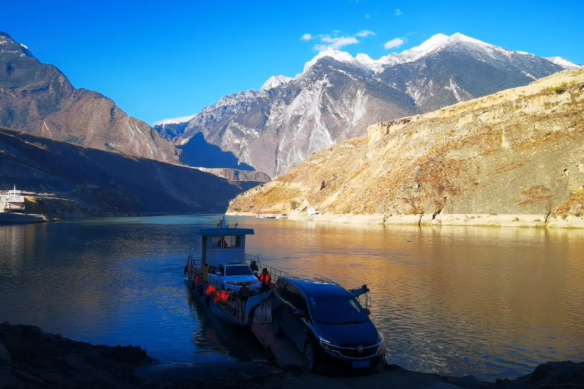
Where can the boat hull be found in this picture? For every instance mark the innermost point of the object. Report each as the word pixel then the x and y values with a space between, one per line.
pixel 210 307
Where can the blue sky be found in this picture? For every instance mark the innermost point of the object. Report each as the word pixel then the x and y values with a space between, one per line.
pixel 166 59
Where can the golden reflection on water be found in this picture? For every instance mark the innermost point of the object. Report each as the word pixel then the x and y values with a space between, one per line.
pixel 493 302
pixel 500 299
pixel 18 243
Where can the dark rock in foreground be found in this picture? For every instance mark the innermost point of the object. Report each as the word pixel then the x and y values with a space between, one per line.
pixel 32 358
pixel 549 375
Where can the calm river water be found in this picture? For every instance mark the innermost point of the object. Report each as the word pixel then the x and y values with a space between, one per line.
pixel 492 302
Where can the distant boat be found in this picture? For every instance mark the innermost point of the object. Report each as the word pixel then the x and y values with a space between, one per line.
pixel 14 201
pixel 312 212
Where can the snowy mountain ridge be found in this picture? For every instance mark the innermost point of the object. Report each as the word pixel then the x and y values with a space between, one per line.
pixel 182 119
pixel 564 63
pixel 433 44
pixel 274 82
pixel 338 96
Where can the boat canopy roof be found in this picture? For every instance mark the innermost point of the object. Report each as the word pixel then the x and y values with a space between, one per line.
pixel 225 231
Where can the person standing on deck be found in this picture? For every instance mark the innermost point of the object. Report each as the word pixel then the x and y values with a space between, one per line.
pixel 265 279
pixel 206 273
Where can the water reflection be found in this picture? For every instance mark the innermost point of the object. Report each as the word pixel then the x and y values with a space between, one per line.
pixel 492 302
pixel 216 335
pixel 465 300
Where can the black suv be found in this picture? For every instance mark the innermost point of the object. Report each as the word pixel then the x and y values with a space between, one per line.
pixel 327 323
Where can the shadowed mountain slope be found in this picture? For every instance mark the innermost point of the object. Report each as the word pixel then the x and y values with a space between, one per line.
pixel 101 182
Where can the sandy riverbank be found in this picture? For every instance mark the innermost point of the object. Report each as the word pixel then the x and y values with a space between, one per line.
pixel 486 220
pixel 32 358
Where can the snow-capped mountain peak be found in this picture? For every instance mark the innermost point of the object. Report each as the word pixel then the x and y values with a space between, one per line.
pixel 340 95
pixel 433 44
pixel 564 63
pixel 337 55
pixel 182 119
pixel 437 43
pixel 274 82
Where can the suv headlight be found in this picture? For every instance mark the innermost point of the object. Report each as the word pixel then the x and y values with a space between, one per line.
pixel 327 345
pixel 232 282
pixel 381 342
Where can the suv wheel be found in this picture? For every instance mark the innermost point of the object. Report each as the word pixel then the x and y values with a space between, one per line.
pixel 309 358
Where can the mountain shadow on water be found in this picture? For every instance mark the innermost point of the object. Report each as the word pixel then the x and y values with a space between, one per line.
pixel 197 152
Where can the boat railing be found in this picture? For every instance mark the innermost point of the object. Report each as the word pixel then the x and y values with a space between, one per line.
pixel 235 302
pixel 274 273
pixel 248 258
pixel 195 264
pixel 263 312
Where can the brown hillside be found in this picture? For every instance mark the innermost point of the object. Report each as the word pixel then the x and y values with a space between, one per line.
pixel 511 158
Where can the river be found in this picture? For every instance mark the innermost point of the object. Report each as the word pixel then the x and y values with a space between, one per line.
pixel 491 302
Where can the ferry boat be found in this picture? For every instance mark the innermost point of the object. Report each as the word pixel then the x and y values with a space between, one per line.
pixel 223 282
pixel 14 201
pixel 223 278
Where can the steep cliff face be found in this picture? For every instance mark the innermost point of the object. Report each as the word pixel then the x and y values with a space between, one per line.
pixel 88 181
pixel 237 175
pixel 338 96
pixel 38 99
pixel 511 158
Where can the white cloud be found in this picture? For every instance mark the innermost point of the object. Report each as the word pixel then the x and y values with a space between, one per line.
pixel 394 43
pixel 364 33
pixel 398 12
pixel 367 16
pixel 335 43
pixel 335 40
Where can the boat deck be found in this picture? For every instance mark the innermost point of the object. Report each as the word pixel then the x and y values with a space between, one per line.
pixel 284 353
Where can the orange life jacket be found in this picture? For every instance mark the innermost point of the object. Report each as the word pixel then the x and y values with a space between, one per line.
pixel 221 296
pixel 210 290
pixel 265 278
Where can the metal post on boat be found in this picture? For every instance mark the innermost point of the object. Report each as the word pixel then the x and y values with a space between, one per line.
pixel 222 223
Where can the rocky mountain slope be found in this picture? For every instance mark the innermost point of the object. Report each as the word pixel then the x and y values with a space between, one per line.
pixel 511 158
pixel 338 96
pixel 71 180
pixel 237 175
pixel 38 99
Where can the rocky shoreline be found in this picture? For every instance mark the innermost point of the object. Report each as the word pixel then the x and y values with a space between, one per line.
pixel 479 220
pixel 33 358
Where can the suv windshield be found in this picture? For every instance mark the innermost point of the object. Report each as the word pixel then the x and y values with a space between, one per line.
pixel 238 271
pixel 336 310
